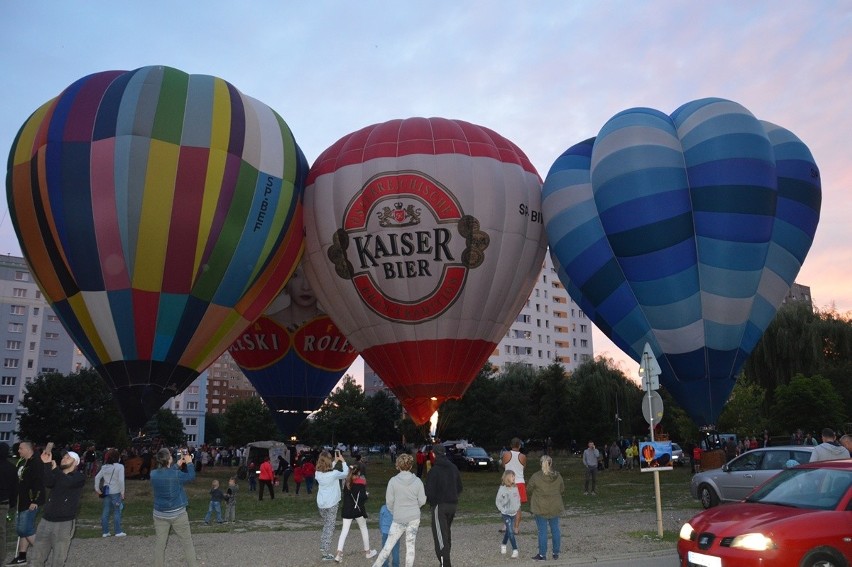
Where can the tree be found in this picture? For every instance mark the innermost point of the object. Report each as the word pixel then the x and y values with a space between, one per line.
pixel 66 409
pixel 248 420
pixel 167 426
pixel 385 414
pixel 214 426
pixel 809 403
pixel 745 411
pixel 343 416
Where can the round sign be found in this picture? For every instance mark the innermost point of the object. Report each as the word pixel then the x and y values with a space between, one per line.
pixel 652 406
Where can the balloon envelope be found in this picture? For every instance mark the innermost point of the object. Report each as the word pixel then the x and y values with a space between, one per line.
pixel 685 232
pixel 160 213
pixel 423 240
pixel 293 355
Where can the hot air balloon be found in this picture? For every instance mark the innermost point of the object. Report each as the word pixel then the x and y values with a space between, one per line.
pixel 423 239
pixel 293 355
pixel 160 213
pixel 685 232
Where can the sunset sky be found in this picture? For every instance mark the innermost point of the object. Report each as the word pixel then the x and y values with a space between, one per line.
pixel 544 74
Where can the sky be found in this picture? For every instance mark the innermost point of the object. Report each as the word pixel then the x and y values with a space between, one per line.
pixel 544 74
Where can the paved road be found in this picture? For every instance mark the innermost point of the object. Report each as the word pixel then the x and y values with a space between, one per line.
pixel 656 559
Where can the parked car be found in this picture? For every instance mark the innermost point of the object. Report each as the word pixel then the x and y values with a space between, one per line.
pixel 472 458
pixel 737 478
pixel 678 458
pixel 376 449
pixel 799 518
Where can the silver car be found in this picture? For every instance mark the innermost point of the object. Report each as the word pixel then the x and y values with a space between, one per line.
pixel 737 478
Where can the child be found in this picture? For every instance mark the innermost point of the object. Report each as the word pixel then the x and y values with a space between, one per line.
pixel 354 508
pixel 508 502
pixel 385 521
pixel 231 497
pixel 216 498
pixel 252 477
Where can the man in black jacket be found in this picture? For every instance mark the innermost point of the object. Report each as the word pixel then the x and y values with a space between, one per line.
pixel 60 512
pixel 443 486
pixel 8 493
pixel 30 498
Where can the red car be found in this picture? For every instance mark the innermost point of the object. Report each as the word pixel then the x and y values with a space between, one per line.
pixel 800 518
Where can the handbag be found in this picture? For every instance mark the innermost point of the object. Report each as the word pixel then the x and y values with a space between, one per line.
pixel 105 485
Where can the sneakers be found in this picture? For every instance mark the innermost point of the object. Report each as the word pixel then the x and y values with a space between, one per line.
pixel 594 493
pixel 327 557
pixel 339 557
pixel 514 554
pixel 586 493
pixel 104 535
pixel 539 557
pixel 555 556
pixel 18 561
pixel 370 554
pixel 502 550
pixel 121 534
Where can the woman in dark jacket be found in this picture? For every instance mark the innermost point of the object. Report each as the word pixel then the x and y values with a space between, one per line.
pixel 354 508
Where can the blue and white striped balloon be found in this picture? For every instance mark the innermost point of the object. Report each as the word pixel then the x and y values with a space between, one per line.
pixel 685 232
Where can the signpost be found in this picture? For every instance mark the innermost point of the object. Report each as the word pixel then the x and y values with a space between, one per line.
pixel 652 410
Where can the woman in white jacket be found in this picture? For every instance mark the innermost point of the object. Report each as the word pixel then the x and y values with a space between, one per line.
pixel 328 496
pixel 404 497
pixel 112 492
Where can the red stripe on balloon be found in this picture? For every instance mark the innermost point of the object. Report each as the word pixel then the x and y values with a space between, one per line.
pixel 104 212
pixel 145 308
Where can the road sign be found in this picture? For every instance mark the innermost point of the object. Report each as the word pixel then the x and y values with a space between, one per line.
pixel 649 370
pixel 652 407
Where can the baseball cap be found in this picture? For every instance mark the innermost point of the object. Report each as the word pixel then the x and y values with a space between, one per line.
pixel 74 456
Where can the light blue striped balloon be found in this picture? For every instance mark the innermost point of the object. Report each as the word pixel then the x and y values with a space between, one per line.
pixel 684 232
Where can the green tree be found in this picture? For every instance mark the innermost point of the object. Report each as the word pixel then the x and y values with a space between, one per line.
pixel 167 426
pixel 343 417
pixel 248 420
pixel 385 414
pixel 549 395
pixel 809 403
pixel 66 409
pixel 214 426
pixel 745 411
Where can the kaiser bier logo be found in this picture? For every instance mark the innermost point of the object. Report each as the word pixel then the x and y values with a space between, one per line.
pixel 406 226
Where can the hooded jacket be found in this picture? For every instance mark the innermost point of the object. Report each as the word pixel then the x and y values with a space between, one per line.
pixel 443 484
pixel 405 495
pixel 546 494
pixel 8 478
pixel 829 452
pixel 65 490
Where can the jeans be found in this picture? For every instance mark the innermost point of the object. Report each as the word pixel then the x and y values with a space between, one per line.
pixel 112 505
pixel 309 484
pixel 180 525
pixel 394 560
pixel 396 531
pixel 214 507
pixel 509 536
pixel 542 523
pixel 53 540
pixel 591 474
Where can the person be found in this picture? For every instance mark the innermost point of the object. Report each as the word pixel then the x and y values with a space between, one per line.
pixel 252 476
pixel 508 501
pixel 90 458
pixel 731 449
pixel 30 497
pixel 385 521
pixel 8 493
pixel 309 473
pixel 328 496
pixel 112 493
pixel 282 465
pixel 216 498
pixel 515 461
pixel 266 478
pixel 231 498
pixel 615 455
pixel 421 462
pixel 546 488
pixel 443 486
pixel 628 455
pixel 56 528
pixel 302 305
pixel 170 503
pixel 354 508
pixel 846 441
pixel 298 477
pixel 283 473
pixel 829 449
pixel 590 461
pixel 405 495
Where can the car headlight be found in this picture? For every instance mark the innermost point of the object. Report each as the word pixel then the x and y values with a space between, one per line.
pixel 686 532
pixel 753 542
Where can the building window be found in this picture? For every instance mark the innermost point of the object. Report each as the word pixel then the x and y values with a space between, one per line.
pixel 8 380
pixel 16 327
pixel 30 363
pixel 584 343
pixel 7 399
pixel 34 329
pixel 191 438
pixel 22 276
pixel 51 352
pixel 53 318
pixel 215 401
pixel 191 421
pixel 177 405
pixel 584 328
pixel 38 294
pixel 192 390
pixel 48 369
pixel 5 435
pixel 13 345
pixel 5 417
pixel 19 292
pixel 191 405
pixel 36 310
pixel 17 310
pixel 10 363
pixel 52 336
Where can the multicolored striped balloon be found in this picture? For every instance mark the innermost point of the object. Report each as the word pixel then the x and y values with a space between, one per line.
pixel 685 232
pixel 160 213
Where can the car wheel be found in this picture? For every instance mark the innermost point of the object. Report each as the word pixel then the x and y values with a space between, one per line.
pixel 708 496
pixel 823 557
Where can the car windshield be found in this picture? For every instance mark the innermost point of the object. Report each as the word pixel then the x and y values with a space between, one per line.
pixel 475 452
pixel 819 489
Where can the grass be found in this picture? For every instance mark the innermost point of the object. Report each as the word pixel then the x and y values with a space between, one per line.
pixel 617 491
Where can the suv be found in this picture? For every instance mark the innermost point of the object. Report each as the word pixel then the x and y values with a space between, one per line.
pixel 471 458
pixel 737 478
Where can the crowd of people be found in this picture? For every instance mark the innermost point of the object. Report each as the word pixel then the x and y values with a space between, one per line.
pixel 49 483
